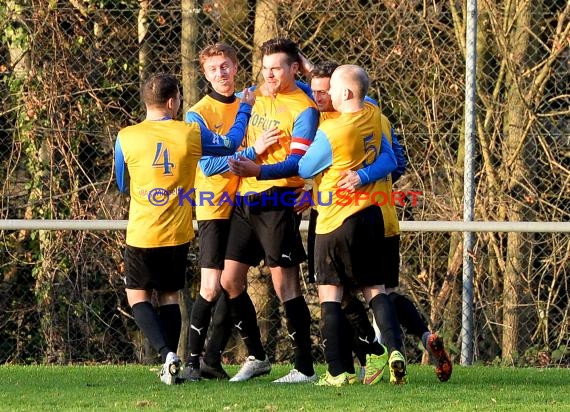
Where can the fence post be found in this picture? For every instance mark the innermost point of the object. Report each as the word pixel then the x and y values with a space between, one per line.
pixel 468 184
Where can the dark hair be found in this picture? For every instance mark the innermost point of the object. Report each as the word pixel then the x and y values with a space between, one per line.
pixel 159 88
pixel 218 49
pixel 282 45
pixel 324 69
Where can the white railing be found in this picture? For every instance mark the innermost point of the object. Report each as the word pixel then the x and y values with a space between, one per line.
pixel 412 226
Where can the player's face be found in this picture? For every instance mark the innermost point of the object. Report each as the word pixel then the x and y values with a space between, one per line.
pixel 320 87
pixel 220 71
pixel 336 91
pixel 278 74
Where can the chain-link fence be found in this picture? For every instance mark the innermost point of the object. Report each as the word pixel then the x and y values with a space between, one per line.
pixel 70 74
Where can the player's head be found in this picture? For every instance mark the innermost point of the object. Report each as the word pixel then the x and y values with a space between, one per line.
pixel 320 84
pixel 219 63
pixel 348 83
pixel 280 64
pixel 162 91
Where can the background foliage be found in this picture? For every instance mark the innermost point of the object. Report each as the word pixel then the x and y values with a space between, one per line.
pixel 70 73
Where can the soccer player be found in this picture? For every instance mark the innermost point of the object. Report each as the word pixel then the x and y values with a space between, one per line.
pixel 155 162
pixel 265 227
pixel 214 198
pixel 408 314
pixel 348 231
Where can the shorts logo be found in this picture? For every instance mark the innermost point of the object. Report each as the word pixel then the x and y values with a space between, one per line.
pixel 283 255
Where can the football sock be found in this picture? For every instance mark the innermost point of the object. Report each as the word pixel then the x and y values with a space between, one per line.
pixel 221 330
pixel 172 323
pixel 298 327
pixel 199 322
pixel 245 320
pixel 331 315
pixel 408 315
pixel 364 333
pixel 148 321
pixel 347 339
pixel 387 321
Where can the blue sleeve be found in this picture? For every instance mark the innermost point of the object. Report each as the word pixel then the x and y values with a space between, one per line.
pixel 317 158
pixel 121 171
pixel 384 164
pixel 371 100
pixel 305 88
pixel 302 135
pixel 401 160
pixel 213 165
pixel 218 145
pixel 193 117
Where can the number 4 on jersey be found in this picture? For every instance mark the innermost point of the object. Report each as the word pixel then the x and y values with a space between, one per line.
pixel 162 159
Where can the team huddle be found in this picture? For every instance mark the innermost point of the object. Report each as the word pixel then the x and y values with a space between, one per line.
pixel 252 148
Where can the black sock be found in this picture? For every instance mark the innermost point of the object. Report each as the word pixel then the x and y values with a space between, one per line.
pixel 331 315
pixel 244 319
pixel 408 315
pixel 299 328
pixel 347 340
pixel 199 322
pixel 221 330
pixel 172 322
pixel 148 321
pixel 364 334
pixel 387 322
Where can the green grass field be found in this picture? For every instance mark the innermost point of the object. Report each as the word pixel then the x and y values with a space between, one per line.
pixel 136 387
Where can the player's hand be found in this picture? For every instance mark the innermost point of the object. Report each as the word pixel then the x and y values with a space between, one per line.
pixel 267 138
pixel 305 66
pixel 244 167
pixel 248 96
pixel 303 200
pixel 349 181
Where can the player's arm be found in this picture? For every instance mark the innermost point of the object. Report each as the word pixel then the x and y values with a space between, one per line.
pixel 121 170
pixel 212 165
pixel 303 133
pixel 219 145
pixel 401 160
pixel 317 158
pixel 382 166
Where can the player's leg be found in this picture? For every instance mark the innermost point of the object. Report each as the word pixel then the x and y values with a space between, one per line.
pixel 145 272
pixel 220 332
pixel 367 249
pixel 243 250
pixel 366 343
pixel 409 316
pixel 277 227
pixel 332 256
pixel 212 242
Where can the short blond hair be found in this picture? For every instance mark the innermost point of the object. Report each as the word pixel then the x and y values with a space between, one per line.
pixel 218 49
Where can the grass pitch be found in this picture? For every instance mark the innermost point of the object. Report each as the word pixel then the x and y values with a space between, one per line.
pixel 136 387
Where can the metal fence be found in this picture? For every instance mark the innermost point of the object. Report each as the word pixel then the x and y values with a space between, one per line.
pixel 70 74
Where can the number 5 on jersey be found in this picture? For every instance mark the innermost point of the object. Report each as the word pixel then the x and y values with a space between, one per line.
pixel 371 151
pixel 162 159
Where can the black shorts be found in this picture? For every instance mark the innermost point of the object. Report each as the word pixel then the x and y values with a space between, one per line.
pixel 265 227
pixel 390 252
pixel 159 268
pixel 348 255
pixel 213 238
